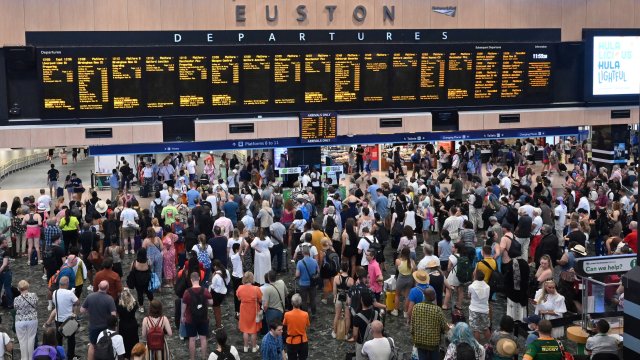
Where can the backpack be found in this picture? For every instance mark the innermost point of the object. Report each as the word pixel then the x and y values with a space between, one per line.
pixel 300 255
pixel 45 352
pixel 203 257
pixel 368 335
pixel 394 350
pixel 510 156
pixel 512 215
pixel 53 281
pixel 515 249
pixel 331 264
pixel 305 213
pixel 104 347
pixel 157 210
pixel 224 355
pixel 277 201
pixel 382 234
pixel 415 159
pixel 464 270
pixel 155 335
pixel 496 279
pixel 182 284
pixel 198 306
pixel 331 227
pixel 375 245
pixel 477 203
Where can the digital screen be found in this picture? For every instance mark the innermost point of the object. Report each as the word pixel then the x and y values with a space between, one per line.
pixel 616 65
pixel 318 127
pixel 99 82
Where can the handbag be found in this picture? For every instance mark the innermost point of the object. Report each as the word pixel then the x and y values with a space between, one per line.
pixel 565 354
pixel 341 329
pixel 314 278
pixel 259 312
pixel 68 327
pixel 154 282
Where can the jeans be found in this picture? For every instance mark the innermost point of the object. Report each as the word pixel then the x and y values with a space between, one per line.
pixel 236 282
pixel 424 354
pixel 276 252
pixel 71 342
pixel 525 248
pixel 272 314
pixel 308 294
pixel 297 351
pixel 26 332
pixel 5 282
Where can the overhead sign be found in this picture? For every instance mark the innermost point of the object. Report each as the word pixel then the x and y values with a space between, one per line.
pixel 294 142
pixel 289 171
pixel 604 265
pixel 318 127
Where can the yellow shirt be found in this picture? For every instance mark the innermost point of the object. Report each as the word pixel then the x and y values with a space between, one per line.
pixel 72 225
pixel 487 272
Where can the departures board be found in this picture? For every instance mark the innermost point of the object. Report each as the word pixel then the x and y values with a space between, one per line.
pixel 84 82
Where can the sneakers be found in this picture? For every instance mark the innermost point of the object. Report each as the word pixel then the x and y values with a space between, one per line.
pixel 394 312
pixel 333 334
pixel 90 288
pixel 324 301
pixel 126 252
pixel 40 262
pixel 246 349
pixel 44 276
pixel 255 349
pixel 405 314
pixel 141 309
pixel 49 307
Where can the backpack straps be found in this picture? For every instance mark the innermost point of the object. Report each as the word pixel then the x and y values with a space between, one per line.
pixel 487 264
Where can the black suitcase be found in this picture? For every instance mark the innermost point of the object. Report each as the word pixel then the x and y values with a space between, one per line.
pixel 144 191
pixel 442 177
pixel 562 167
pixel 496 172
pixel 60 192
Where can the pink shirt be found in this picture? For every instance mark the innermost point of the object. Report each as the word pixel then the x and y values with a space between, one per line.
pixel 374 273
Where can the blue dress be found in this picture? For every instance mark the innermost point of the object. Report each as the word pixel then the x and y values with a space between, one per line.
pixel 154 254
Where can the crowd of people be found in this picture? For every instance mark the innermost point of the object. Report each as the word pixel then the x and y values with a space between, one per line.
pixel 447 243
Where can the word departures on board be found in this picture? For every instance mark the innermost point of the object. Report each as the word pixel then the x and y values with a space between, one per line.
pixel 95 82
pixel 318 127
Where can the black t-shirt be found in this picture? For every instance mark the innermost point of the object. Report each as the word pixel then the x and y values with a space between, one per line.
pixel 53 174
pixel 577 236
pixel 76 183
pixel 4 254
pixel 88 241
pixel 359 152
pixel 361 324
pixel 54 262
pixel 219 247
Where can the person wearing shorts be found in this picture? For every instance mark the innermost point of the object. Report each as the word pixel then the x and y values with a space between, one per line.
pixel 100 306
pixel 193 328
pixel 33 221
pixel 52 179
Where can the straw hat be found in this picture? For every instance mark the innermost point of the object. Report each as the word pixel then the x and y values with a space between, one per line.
pixel 580 250
pixel 421 277
pixel 506 347
pixel 101 206
pixel 326 244
pixel 433 264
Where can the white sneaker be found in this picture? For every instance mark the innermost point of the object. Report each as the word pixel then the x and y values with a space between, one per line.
pixel 49 307
pixel 255 349
pixel 246 349
pixel 406 314
pixel 90 288
pixel 394 312
pixel 324 301
pixel 126 252
pixel 141 309
pixel 333 334
pixel 40 262
pixel 44 276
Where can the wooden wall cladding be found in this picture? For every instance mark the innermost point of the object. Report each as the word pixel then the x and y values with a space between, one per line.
pixel 18 16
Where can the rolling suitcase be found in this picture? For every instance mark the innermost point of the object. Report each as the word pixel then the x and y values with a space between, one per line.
pixel 562 167
pixel 60 192
pixel 442 177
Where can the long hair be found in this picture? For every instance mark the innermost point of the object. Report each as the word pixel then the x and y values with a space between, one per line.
pixel 127 300
pixel 462 334
pixel 544 293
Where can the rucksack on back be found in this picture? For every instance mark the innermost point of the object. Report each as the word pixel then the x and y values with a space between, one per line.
pixel 226 355
pixel 45 352
pixel 331 264
pixel 157 210
pixel 104 347
pixel 155 335
pixel 368 334
pixel 515 249
pixel 198 306
pixel 496 279
pixel 464 270
pixel 203 257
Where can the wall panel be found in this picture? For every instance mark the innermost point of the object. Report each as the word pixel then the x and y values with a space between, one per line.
pixel 417 122
pixel 42 15
pixel 250 15
pixel 470 121
pixel 177 14
pixel 271 129
pixel 522 14
pixel 548 13
pixel 399 14
pixel 497 13
pixel 471 14
pixel 416 15
pixel 636 8
pixel 12 22
pixel 76 15
pixel 598 13
pixel 47 137
pixel 208 15
pixel 110 15
pixel 622 13
pixel 574 18
pixel 144 14
pixel 210 130
pixel 146 133
pixel 351 22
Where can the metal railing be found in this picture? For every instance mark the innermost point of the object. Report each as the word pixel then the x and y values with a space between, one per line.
pixel 13 165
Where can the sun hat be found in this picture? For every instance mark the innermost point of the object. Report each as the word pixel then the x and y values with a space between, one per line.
pixel 101 206
pixel 421 277
pixel 506 347
pixel 579 249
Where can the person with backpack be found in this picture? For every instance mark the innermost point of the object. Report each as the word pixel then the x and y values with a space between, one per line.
pixel 155 327
pixel 101 309
pixel 362 323
pixel 375 274
pixel 64 300
pixel 110 344
pixel 195 302
pixel 205 254
pixel 341 284
pixel 461 334
pixel 308 275
pixel 379 347
pixel 460 272
pixel 329 268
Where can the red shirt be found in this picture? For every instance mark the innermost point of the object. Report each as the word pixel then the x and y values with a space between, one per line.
pixel 632 240
pixel 186 299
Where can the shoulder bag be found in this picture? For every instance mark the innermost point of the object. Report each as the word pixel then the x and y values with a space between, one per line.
pixel 68 327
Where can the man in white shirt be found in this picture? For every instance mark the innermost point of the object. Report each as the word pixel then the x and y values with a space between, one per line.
pixel 305 179
pixel 378 348
pixel 428 256
pixel 116 339
pixel 164 194
pixel 167 172
pixel 212 198
pixel 191 168
pixel 64 301
pixel 453 224
pixel 505 183
pixel 363 245
pixel 560 218
pixel 44 200
pixel 225 224
pixel 128 217
pixel 147 174
pixel 537 222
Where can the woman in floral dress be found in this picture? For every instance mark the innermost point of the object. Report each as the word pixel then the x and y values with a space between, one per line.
pixel 169 256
